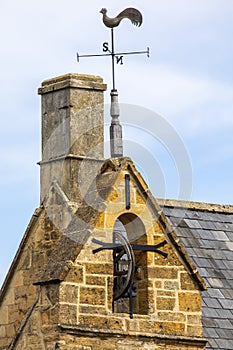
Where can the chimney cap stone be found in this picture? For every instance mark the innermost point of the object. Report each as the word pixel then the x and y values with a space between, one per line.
pixel 72 80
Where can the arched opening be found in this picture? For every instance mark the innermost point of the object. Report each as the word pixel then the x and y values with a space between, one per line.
pixel 131 228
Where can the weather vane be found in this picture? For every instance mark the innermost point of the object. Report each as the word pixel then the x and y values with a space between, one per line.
pixel 135 17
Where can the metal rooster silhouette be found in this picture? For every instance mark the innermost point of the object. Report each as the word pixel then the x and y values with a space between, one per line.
pixel 135 17
pixel 131 13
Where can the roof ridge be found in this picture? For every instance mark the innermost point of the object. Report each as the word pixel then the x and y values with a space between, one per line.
pixel 202 206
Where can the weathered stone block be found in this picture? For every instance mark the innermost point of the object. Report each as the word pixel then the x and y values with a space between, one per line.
pixel 98 322
pixel 146 326
pixel 132 325
pixel 92 309
pixel 96 280
pixel 75 274
pixel 172 316
pixel 2 331
pixel 194 331
pixel 165 303
pixel 186 282
pixel 68 314
pixel 10 331
pixel 69 293
pixel 92 296
pixel 4 342
pixel 194 319
pixel 33 324
pixel 114 210
pixel 18 278
pixel 110 220
pixel 4 314
pixel 13 313
pixel 166 293
pixel 163 272
pixel 39 258
pixel 158 284
pixel 172 285
pixel 99 269
pixel 9 297
pixel 190 302
pixel 173 328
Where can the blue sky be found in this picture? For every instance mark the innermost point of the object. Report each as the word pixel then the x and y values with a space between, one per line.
pixel 187 82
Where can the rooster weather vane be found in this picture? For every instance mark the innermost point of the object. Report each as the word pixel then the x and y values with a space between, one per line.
pixel 135 17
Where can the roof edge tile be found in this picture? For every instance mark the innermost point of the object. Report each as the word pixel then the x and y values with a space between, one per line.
pixel 210 207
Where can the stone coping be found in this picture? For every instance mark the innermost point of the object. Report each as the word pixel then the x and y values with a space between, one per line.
pixel 76 329
pixel 72 80
pixel 221 208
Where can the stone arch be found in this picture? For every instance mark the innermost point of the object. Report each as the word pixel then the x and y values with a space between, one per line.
pixel 132 228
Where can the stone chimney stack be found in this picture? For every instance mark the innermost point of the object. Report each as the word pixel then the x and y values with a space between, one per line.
pixel 72 132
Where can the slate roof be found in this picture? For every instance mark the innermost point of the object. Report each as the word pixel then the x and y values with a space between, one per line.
pixel 206 231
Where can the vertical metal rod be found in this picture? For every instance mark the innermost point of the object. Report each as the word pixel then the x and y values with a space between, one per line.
pixel 131 301
pixel 113 60
pixel 127 191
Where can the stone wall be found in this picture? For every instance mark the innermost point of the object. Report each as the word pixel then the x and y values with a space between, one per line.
pixel 19 294
pixel 77 313
pixel 171 297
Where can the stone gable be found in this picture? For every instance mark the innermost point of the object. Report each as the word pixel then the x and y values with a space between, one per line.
pixel 75 304
pixel 62 292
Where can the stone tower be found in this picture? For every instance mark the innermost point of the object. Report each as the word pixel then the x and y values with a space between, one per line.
pixel 60 292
